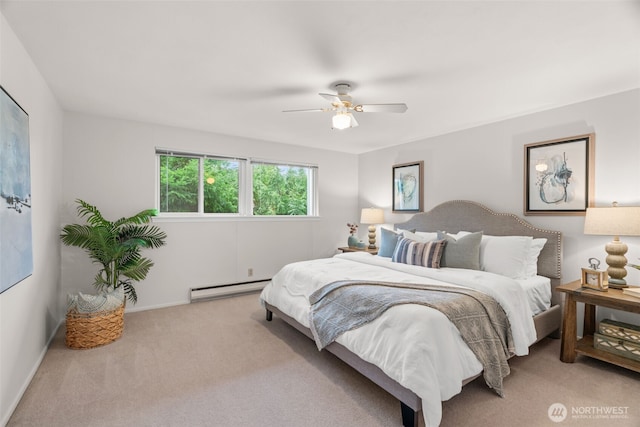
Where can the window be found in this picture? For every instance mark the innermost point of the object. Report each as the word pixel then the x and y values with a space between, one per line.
pixel 281 189
pixel 191 183
pixel 198 184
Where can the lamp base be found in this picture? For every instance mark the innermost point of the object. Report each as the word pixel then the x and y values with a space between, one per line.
pixel 617 283
pixel 616 262
pixel 372 237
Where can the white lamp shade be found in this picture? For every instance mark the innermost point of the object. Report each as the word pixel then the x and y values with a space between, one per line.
pixel 372 216
pixel 613 221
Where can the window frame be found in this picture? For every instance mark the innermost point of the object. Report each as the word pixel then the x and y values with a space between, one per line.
pixel 245 187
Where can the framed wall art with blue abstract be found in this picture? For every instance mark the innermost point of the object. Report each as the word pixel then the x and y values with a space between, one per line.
pixel 407 187
pixel 16 255
pixel 559 176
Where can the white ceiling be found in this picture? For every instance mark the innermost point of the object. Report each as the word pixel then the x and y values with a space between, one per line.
pixel 231 67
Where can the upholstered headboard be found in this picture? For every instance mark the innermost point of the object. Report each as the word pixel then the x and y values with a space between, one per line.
pixel 463 215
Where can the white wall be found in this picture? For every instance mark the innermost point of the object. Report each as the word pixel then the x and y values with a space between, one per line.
pixel 31 311
pixel 111 164
pixel 485 164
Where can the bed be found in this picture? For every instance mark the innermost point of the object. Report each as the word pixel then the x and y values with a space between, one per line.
pixel 414 351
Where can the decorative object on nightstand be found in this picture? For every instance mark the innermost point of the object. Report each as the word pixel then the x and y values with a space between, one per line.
pixel 593 278
pixel 352 241
pixel 618 338
pixel 372 216
pixel 614 221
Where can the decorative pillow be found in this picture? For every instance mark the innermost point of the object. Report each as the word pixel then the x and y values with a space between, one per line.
pixel 388 242
pixel 531 265
pixel 505 255
pixel 426 254
pixel 463 252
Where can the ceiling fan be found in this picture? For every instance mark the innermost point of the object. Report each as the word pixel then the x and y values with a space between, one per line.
pixel 343 107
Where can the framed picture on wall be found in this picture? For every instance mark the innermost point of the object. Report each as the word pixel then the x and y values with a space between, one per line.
pixel 559 176
pixel 16 254
pixel 407 187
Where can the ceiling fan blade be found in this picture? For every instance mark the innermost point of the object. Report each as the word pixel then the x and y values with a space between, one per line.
pixel 381 108
pixel 331 98
pixel 354 122
pixel 321 110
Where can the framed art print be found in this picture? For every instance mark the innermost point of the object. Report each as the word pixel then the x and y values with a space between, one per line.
pixel 407 187
pixel 16 255
pixel 559 176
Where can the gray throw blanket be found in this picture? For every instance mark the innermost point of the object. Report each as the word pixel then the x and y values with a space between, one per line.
pixel 345 305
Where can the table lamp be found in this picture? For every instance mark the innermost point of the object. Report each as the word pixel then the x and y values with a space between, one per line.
pixel 372 216
pixel 614 221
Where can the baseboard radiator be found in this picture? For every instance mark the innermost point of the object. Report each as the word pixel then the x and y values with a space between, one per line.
pixel 221 291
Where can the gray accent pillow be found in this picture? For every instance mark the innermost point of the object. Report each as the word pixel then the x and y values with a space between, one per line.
pixel 388 241
pixel 463 252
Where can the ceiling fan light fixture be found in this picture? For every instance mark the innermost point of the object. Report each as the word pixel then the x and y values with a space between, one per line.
pixel 342 108
pixel 341 121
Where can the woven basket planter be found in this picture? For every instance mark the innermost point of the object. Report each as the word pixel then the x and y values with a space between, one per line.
pixel 89 330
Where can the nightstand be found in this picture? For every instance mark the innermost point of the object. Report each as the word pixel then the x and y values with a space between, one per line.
pixel 571 346
pixel 348 249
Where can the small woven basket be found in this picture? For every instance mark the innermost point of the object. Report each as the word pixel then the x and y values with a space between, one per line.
pixel 89 330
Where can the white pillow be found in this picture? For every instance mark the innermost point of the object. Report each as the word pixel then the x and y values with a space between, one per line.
pixel 420 236
pixel 531 267
pixel 519 244
pixel 506 255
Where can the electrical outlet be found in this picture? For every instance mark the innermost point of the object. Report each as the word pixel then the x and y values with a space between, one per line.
pixel 250 272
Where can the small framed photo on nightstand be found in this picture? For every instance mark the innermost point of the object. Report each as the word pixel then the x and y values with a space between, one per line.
pixel 594 279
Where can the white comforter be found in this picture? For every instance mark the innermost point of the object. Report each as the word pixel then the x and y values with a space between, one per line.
pixel 415 345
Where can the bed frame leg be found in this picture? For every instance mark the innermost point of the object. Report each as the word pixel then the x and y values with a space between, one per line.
pixel 269 315
pixel 409 416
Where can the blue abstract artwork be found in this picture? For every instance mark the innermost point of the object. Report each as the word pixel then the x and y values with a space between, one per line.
pixel 407 187
pixel 16 255
pixel 559 176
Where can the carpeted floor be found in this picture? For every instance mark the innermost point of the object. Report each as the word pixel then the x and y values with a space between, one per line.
pixel 219 363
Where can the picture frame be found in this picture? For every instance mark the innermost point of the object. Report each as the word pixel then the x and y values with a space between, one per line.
pixel 16 252
pixel 559 176
pixel 407 182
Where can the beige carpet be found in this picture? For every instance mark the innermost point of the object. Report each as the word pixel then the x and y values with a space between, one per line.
pixel 219 363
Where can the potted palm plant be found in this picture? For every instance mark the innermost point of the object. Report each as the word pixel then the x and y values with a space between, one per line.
pixel 116 246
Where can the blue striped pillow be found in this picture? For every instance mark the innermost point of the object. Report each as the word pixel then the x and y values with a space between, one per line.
pixel 426 254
